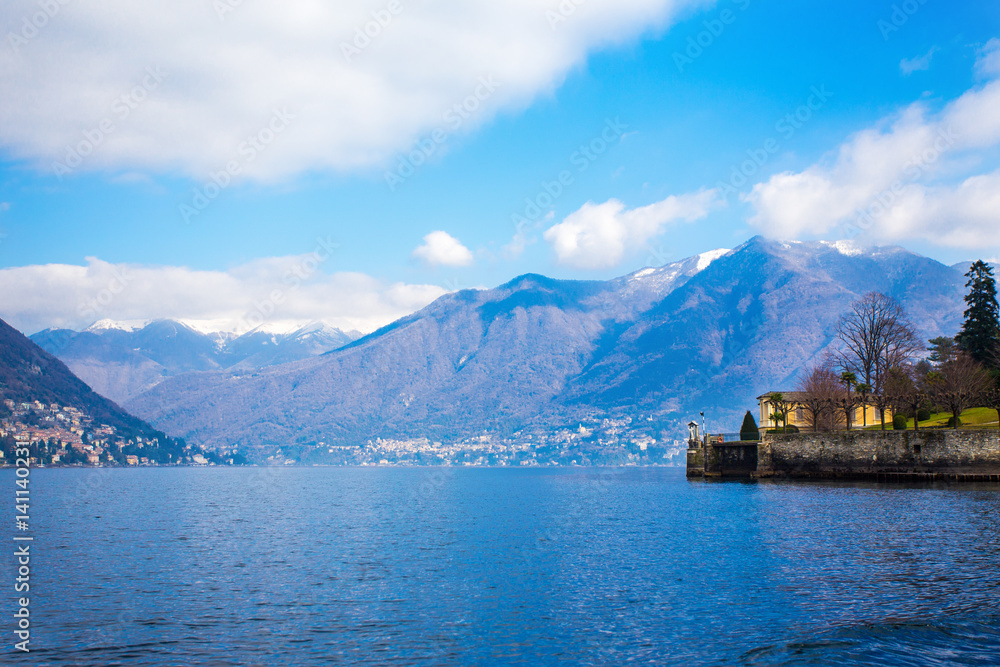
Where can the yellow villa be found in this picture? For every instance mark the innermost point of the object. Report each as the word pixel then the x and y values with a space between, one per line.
pixel 799 416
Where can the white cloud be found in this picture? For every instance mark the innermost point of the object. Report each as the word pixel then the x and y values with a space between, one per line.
pixel 887 180
pixel 598 236
pixel 517 245
pixel 910 65
pixel 442 249
pixel 988 63
pixel 223 77
pixel 966 215
pixel 281 292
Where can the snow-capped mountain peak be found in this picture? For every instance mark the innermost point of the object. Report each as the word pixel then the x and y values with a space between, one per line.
pixel 100 326
pixel 706 258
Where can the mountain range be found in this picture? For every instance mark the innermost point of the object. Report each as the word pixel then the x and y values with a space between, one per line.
pixel 705 334
pixel 123 360
pixel 29 373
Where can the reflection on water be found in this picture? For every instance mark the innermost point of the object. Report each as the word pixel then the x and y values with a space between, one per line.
pixel 479 566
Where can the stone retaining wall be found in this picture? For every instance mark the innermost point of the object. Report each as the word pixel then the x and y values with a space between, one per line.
pixel 878 453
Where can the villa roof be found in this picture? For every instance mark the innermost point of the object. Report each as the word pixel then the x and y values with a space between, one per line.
pixel 788 395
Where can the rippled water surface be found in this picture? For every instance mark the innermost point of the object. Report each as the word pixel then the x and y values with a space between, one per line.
pixel 311 566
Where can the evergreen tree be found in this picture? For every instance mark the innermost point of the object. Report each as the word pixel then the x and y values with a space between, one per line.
pixel 943 349
pixel 980 334
pixel 749 430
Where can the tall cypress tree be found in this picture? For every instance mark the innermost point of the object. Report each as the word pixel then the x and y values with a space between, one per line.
pixel 749 430
pixel 980 334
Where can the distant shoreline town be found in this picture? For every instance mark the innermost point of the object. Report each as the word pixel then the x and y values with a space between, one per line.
pixel 59 435
pixel 62 435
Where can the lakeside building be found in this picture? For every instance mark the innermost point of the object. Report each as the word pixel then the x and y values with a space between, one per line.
pixel 799 417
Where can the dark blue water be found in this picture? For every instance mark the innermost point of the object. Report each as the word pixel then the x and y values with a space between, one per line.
pixel 318 566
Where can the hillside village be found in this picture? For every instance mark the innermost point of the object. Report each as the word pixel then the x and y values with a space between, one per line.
pixel 64 435
pixel 593 441
pixel 61 435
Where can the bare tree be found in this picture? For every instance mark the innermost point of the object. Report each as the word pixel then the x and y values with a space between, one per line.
pixel 875 336
pixel 882 403
pixel 994 361
pixel 912 403
pixel 845 408
pixel 899 392
pixel 864 393
pixel 819 389
pixel 958 384
pixel 991 398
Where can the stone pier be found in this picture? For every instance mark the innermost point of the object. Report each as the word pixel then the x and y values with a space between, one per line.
pixel 956 455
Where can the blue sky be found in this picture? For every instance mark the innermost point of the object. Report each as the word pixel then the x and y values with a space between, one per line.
pixel 676 121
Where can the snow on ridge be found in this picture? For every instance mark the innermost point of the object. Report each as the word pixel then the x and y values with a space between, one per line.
pixel 230 329
pixel 117 325
pixel 642 273
pixel 316 326
pixel 279 327
pixel 706 258
pixel 660 274
pixel 674 269
pixel 289 327
pixel 221 331
pixel 845 247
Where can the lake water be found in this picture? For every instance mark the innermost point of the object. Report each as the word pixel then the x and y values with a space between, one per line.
pixel 315 566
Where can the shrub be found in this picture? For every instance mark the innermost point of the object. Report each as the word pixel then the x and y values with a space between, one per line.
pixel 785 429
pixel 951 422
pixel 899 422
pixel 923 414
pixel 749 430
